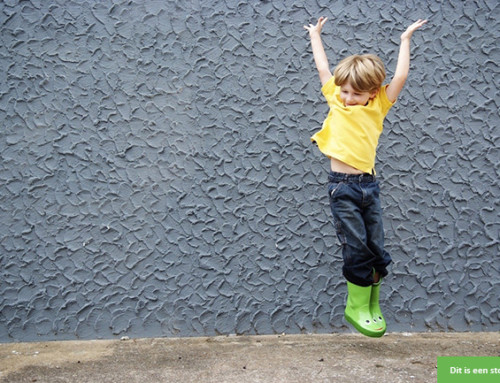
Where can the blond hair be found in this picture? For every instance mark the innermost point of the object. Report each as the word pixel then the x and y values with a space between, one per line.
pixel 365 73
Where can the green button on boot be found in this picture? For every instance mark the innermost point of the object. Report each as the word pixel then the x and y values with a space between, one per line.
pixel 357 311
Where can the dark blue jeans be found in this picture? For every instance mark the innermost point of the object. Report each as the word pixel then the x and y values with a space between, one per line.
pixel 357 216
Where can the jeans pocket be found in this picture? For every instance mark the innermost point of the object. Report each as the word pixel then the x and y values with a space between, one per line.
pixel 333 188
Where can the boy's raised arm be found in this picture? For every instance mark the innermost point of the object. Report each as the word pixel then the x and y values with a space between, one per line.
pixel 318 51
pixel 403 65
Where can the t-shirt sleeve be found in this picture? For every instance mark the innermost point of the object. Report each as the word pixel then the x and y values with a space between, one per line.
pixel 386 104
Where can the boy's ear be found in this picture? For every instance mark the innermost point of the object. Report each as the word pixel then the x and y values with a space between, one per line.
pixel 374 93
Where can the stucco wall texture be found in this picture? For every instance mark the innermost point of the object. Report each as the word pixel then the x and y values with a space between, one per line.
pixel 157 176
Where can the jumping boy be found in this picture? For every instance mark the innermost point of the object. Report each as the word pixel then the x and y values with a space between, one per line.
pixel 358 105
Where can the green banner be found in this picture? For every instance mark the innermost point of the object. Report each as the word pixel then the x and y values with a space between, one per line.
pixel 468 369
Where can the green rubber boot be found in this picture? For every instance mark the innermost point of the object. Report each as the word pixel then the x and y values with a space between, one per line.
pixel 377 315
pixel 357 311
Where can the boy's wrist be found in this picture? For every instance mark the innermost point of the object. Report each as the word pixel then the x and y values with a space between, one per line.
pixel 315 34
pixel 405 38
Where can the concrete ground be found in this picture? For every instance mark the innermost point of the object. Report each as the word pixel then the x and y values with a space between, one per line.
pixel 393 358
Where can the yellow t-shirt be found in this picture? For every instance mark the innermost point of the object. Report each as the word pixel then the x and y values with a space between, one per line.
pixel 350 133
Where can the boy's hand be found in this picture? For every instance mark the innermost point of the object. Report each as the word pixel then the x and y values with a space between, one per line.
pixel 316 28
pixel 412 28
pixel 403 65
pixel 318 51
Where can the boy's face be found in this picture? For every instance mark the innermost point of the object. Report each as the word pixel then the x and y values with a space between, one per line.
pixel 351 97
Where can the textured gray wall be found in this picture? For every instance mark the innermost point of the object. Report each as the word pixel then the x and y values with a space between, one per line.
pixel 157 177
